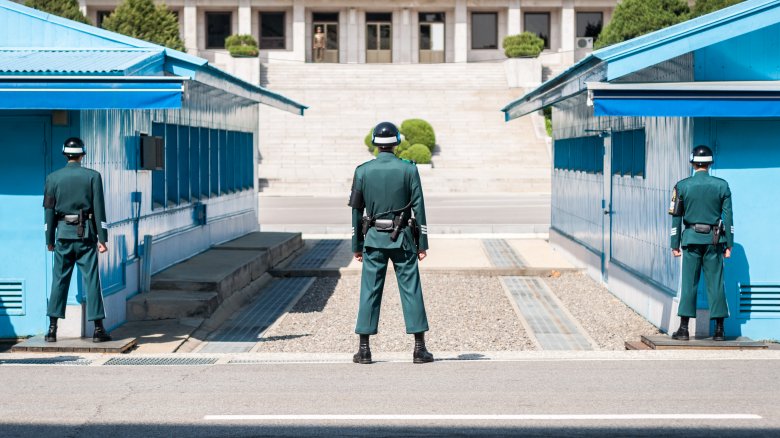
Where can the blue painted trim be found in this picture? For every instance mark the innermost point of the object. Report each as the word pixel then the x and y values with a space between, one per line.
pixel 20 95
pixel 714 106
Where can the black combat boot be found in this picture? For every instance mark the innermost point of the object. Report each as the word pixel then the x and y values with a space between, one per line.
pixel 100 335
pixel 720 333
pixel 51 336
pixel 682 333
pixel 421 354
pixel 364 352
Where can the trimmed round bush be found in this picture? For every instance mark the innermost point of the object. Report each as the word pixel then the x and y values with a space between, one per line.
pixel 401 148
pixel 367 140
pixel 524 45
pixel 419 153
pixel 241 46
pixel 418 131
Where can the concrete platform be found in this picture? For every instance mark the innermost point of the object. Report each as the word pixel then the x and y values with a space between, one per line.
pixel 74 345
pixel 278 245
pixel 661 342
pixel 162 336
pixel 167 304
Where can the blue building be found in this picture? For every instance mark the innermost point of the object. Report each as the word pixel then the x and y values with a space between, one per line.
pixel 60 79
pixel 625 120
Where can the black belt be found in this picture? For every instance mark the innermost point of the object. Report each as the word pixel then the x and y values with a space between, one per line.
pixel 700 228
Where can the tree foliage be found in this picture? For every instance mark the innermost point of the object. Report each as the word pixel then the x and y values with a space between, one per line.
pixel 633 18
pixel 524 45
pixel 703 7
pixel 63 8
pixel 144 20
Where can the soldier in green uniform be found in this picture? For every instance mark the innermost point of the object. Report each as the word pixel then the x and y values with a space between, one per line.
pixel 703 225
pixel 75 215
pixel 389 189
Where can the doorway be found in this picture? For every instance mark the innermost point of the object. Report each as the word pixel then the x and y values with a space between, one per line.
pixel 431 37
pixel 379 38
pixel 325 38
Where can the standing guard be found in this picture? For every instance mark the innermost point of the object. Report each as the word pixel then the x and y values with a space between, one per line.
pixel 74 206
pixel 703 225
pixel 389 190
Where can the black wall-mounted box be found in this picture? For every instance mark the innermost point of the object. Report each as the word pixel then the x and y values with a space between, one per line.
pixel 152 153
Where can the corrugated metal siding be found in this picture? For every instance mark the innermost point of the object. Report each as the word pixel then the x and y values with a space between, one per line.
pixel 114 134
pixel 71 61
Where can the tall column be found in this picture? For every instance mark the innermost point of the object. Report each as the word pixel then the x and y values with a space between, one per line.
pixel 353 55
pixel 461 31
pixel 568 29
pixel 190 23
pixel 244 17
pixel 83 7
pixel 513 18
pixel 299 31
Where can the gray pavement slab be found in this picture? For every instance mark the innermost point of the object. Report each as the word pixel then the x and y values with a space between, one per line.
pixel 160 336
pixel 279 245
pixel 662 342
pixel 37 344
pixel 207 270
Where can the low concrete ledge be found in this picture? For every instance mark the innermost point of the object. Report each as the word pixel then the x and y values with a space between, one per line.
pixel 73 345
pixel 278 245
pixel 476 272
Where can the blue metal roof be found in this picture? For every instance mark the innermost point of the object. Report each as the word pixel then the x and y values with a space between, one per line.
pixel 630 56
pixel 27 28
pixel 124 62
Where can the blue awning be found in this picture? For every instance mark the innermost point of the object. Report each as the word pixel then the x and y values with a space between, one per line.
pixel 81 93
pixel 686 99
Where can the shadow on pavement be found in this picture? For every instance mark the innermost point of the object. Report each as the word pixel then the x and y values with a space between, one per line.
pixel 254 430
pixel 316 298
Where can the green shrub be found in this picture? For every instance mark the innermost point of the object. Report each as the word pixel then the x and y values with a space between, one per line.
pixel 524 45
pixel 633 18
pixel 241 46
pixel 144 20
pixel 419 153
pixel 63 8
pixel 418 131
pixel 703 7
pixel 368 139
pixel 401 148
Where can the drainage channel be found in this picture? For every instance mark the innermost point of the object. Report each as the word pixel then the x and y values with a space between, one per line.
pixel 318 255
pixel 241 332
pixel 502 255
pixel 544 316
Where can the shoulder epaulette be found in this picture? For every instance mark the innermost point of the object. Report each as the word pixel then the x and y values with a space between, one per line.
pixel 412 162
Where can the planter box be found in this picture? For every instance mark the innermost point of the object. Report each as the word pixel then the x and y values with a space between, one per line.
pixel 523 72
pixel 246 68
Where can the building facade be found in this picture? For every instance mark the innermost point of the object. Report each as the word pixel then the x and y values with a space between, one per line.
pixel 625 121
pixel 398 31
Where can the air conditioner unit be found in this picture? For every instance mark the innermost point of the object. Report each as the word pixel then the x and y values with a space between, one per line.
pixel 584 42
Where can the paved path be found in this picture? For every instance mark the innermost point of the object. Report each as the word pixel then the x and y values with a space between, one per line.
pixel 594 395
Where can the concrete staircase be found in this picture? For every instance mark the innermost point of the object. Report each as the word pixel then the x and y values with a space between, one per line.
pixel 196 287
pixel 478 152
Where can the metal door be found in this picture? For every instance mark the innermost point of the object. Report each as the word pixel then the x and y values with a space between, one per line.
pixel 379 42
pixel 431 38
pixel 23 257
pixel 331 52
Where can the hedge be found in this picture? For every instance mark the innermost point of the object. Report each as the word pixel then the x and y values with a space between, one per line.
pixel 524 45
pixel 418 131
pixel 241 46
pixel 419 153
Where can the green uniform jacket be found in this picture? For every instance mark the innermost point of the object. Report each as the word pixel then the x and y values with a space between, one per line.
pixel 706 199
pixel 388 183
pixel 67 191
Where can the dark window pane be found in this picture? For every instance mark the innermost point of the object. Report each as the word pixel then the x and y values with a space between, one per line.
pixel 272 26
pixel 218 27
pixel 332 37
pixel 101 15
pixel 431 17
pixel 171 164
pixel 617 152
pixel 639 153
pixel 371 37
pixel 425 37
pixel 484 30
pixel 589 24
pixel 158 176
pixel 385 37
pixel 539 23
pixel 326 17
pixel 379 16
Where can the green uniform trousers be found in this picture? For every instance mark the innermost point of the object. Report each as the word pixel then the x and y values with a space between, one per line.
pixel 372 283
pixel 708 258
pixel 68 253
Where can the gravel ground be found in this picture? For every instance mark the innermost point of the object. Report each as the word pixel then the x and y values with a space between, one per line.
pixel 465 313
pixel 606 319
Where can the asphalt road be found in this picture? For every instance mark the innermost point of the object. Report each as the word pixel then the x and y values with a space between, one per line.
pixel 143 401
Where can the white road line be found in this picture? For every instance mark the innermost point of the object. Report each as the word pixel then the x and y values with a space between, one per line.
pixel 551 417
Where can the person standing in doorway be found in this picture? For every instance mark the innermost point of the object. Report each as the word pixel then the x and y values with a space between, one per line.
pixel 319 45
pixel 388 189
pixel 703 226
pixel 75 216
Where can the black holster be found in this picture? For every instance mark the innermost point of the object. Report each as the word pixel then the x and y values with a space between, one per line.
pixel 80 226
pixel 398 224
pixel 415 227
pixel 365 224
pixel 718 230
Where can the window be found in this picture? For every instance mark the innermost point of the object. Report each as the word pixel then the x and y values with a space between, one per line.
pixel 379 17
pixel 589 24
pixel 628 152
pixel 218 27
pixel 158 176
pixel 171 165
pixel 272 26
pixel 579 154
pixel 100 16
pixel 538 23
pixel 484 30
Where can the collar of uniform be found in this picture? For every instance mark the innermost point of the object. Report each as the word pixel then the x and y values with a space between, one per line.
pixel 385 156
pixel 74 164
pixel 700 172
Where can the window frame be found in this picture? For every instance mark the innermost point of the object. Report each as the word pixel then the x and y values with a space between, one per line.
pixel 547 40
pixel 282 38
pixel 208 14
pixel 472 27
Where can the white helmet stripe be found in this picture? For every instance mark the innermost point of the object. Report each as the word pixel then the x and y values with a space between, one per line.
pixel 385 140
pixel 702 159
pixel 72 150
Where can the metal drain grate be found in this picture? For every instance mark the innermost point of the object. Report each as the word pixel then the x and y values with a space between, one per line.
pixel 502 255
pixel 549 323
pixel 262 362
pixel 66 361
pixel 240 333
pixel 322 251
pixel 164 361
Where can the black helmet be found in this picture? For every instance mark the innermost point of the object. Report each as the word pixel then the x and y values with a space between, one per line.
pixel 385 135
pixel 73 146
pixel 701 154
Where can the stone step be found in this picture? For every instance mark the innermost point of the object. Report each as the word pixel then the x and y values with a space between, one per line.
pixel 171 304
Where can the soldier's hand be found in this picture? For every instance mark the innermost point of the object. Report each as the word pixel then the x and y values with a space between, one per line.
pixel 676 252
pixel 50 247
pixel 102 247
pixel 359 257
pixel 422 254
pixel 727 253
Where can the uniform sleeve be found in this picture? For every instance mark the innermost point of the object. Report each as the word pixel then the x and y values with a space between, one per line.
pixel 728 217
pixel 676 231
pixel 418 206
pixel 357 214
pixel 49 205
pixel 99 207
